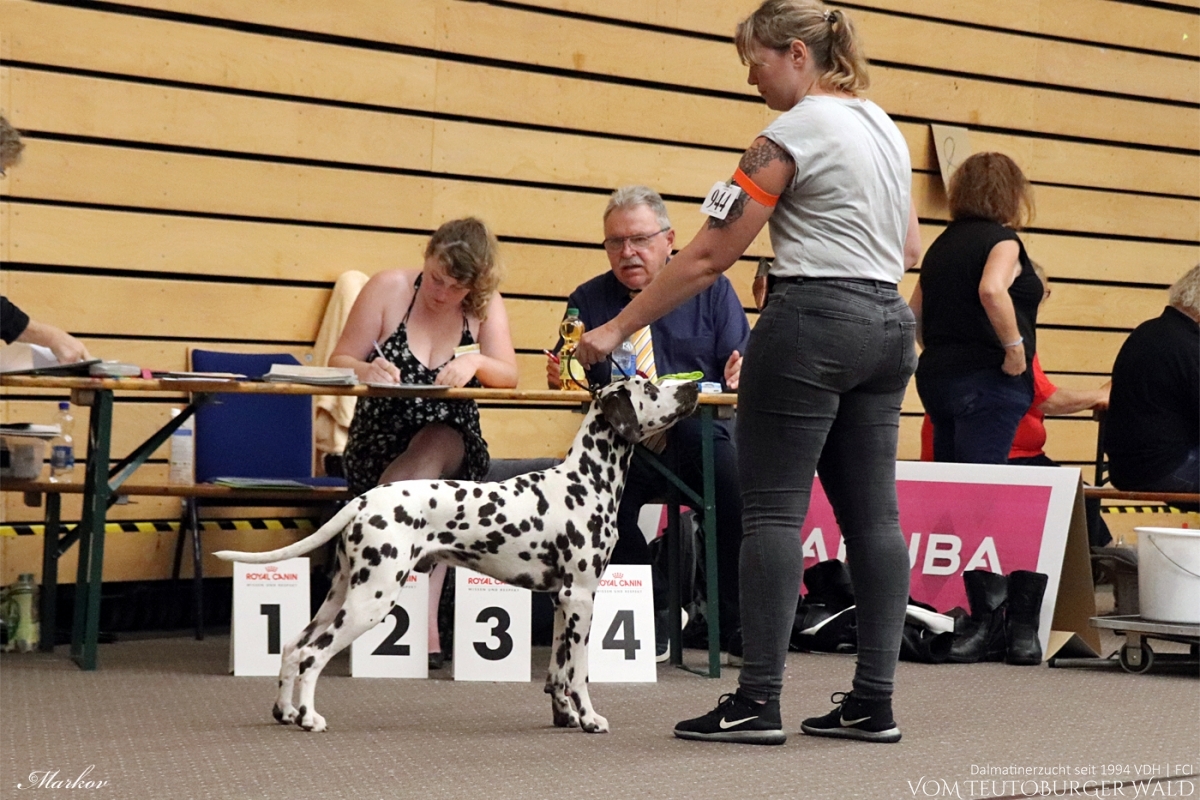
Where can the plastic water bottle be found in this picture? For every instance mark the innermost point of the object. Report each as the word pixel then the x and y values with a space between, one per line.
pixel 183 453
pixel 21 614
pixel 571 330
pixel 624 361
pixel 62 448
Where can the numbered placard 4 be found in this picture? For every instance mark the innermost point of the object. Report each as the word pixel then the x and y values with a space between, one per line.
pixel 491 629
pixel 270 607
pixel 621 648
pixel 398 647
pixel 719 200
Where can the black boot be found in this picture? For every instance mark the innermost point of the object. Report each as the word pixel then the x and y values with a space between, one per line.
pixel 983 637
pixel 923 646
pixel 1025 591
pixel 828 584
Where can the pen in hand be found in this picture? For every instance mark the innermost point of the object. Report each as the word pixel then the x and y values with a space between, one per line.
pixel 553 356
pixel 379 351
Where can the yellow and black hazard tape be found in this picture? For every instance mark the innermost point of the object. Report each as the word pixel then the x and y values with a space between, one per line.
pixel 1141 510
pixel 168 526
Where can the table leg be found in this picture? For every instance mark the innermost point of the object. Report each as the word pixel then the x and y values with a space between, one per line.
pixel 710 542
pixel 49 597
pixel 674 554
pixel 85 628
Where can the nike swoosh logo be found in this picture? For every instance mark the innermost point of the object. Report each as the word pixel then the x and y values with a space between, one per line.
pixel 850 723
pixel 727 724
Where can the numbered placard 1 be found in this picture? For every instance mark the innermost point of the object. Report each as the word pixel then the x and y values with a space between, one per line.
pixel 621 648
pixel 491 629
pixel 271 606
pixel 398 647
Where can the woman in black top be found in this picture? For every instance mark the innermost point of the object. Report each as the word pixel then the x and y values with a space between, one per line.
pixel 976 307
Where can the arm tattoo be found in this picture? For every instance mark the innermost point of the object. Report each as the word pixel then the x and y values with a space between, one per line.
pixel 760 155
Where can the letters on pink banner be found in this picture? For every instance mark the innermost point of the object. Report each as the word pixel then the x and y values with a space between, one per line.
pixel 949 528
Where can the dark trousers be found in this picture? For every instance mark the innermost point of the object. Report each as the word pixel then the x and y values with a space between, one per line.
pixel 821 387
pixel 644 484
pixel 974 416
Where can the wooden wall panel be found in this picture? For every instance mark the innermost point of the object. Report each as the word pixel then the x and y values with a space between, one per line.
pixel 215 165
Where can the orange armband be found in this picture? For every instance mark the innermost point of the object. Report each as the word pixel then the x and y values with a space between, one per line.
pixel 756 192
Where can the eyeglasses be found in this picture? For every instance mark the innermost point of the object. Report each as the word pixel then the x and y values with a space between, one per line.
pixel 617 243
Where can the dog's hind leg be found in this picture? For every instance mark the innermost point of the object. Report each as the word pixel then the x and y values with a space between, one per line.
pixel 289 667
pixel 360 612
pixel 561 707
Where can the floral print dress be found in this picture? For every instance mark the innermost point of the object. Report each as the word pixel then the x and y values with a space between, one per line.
pixel 383 427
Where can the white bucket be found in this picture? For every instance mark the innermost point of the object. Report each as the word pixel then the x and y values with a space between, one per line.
pixel 1169 574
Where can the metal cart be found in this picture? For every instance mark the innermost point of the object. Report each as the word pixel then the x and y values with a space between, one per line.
pixel 1136 656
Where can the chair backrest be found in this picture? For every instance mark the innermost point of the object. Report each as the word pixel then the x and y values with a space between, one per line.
pixel 252 435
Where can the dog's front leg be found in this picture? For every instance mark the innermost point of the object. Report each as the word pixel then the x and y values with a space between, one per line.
pixel 561 707
pixel 578 615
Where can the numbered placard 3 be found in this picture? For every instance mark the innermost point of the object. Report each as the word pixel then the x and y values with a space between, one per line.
pixel 719 200
pixel 270 607
pixel 491 629
pixel 398 647
pixel 621 648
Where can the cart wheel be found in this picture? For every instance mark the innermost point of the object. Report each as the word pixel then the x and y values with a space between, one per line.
pixel 1144 657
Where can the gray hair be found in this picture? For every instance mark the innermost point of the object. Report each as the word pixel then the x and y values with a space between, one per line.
pixel 1185 293
pixel 634 196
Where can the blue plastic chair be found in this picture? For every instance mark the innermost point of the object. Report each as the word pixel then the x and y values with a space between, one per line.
pixel 245 436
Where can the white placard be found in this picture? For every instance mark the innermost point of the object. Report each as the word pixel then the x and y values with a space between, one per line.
pixel 719 200
pixel 398 647
pixel 492 622
pixel 270 608
pixel 621 648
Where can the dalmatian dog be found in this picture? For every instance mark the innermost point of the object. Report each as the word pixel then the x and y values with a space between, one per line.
pixel 550 531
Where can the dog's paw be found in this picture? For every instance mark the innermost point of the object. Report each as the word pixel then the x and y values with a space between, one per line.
pixel 311 720
pixel 564 719
pixel 597 724
pixel 284 715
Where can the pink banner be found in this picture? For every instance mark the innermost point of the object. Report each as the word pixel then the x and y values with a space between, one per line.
pixel 950 528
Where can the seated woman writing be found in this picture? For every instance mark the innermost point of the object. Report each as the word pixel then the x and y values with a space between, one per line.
pixel 442 325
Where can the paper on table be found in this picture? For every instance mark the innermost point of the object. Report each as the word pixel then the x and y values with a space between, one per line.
pixel 424 386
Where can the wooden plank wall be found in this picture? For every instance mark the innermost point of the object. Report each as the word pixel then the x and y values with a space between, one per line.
pixel 198 172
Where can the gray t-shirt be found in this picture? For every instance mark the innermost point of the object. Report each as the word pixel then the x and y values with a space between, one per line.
pixel 845 214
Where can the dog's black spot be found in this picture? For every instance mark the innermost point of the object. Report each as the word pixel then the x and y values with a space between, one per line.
pixel 538 524
pixel 356 534
pixel 574 536
pixel 323 641
pixel 582 564
pixel 402 516
pixel 446 538
pixel 305 664
pixel 430 537
pixel 597 565
pixel 525 556
pixel 360 577
pixel 452 525
pixel 524 581
pixel 378 595
pixel 413 552
pixel 486 510
pixel 460 495
pixel 388 551
pixel 372 556
pixel 501 519
pixel 339 619
pixel 477 492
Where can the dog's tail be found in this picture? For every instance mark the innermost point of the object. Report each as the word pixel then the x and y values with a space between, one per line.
pixel 314 540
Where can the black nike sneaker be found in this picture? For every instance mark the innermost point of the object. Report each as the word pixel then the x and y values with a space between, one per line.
pixel 865 720
pixel 736 719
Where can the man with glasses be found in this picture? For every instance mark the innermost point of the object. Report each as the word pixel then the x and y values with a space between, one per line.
pixel 706 334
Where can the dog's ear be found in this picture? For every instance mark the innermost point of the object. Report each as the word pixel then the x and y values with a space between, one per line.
pixel 617 407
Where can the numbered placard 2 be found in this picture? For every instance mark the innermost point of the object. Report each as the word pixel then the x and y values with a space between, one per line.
pixel 621 648
pixel 398 647
pixel 491 629
pixel 270 608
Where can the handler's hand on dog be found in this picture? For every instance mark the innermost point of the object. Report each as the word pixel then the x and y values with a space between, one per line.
pixel 733 370
pixel 596 344
pixel 380 371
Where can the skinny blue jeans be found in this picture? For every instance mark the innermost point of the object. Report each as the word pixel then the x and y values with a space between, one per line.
pixel 825 373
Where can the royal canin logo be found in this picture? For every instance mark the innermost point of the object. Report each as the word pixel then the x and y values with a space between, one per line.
pixel 271 573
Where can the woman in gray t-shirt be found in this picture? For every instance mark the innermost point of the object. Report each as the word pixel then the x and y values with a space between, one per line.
pixel 827 364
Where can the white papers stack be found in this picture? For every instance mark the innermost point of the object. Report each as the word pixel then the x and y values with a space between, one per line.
pixel 321 376
pixel 30 429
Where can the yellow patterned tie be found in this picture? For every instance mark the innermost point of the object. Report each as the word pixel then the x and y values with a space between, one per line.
pixel 643 346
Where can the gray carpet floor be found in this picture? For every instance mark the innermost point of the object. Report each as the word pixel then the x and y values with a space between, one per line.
pixel 161 718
